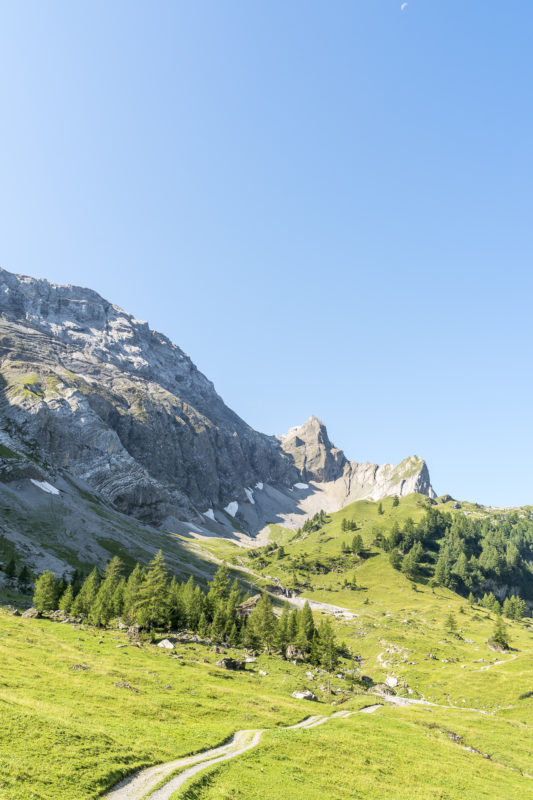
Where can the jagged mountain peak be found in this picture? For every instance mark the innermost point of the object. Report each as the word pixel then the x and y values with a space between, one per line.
pixel 312 452
pixel 89 392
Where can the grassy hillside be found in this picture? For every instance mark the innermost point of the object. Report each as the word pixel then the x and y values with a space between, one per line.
pixel 69 731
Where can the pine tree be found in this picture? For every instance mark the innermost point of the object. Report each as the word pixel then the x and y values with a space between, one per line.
pixel 292 627
pixel 152 609
pixel 357 544
pixel 500 636
pixel 380 509
pixel 233 637
pixel 395 559
pixel 283 629
pixel 219 622
pixel 11 569
pixel 131 591
pixel 315 654
pixel 307 622
pixel 471 599
pixel 103 608
pixel 395 501
pixel 329 656
pixel 264 622
pixel 67 599
pixel 451 623
pixel 45 595
pixel 87 595
pixel 24 579
pixel 203 626
pixel 219 587
pixel 508 610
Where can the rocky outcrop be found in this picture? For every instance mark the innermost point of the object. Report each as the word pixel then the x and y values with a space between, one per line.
pixel 312 453
pixel 91 394
pixel 88 388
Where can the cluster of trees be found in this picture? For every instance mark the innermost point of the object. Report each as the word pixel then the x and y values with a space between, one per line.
pixel 356 546
pixel 348 525
pixel 513 607
pixel 21 578
pixel 314 523
pixel 151 599
pixel 464 554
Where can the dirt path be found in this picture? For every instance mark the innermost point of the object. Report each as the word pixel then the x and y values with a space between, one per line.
pixel 143 784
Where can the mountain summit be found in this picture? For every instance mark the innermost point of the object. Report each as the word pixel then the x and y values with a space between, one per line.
pixel 91 394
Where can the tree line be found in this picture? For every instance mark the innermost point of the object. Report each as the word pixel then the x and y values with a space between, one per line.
pixel 467 555
pixel 152 599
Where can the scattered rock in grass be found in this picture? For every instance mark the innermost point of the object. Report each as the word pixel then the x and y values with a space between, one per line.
pixel 310 676
pixel 166 644
pixel 391 681
pixel 77 667
pixel 167 687
pixel 306 694
pixel 262 672
pixel 432 657
pixel 31 613
pixel 231 663
pixel 15 612
pixel 133 632
pixel 124 685
pixel 292 653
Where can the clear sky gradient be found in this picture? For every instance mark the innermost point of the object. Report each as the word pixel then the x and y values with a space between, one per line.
pixel 327 205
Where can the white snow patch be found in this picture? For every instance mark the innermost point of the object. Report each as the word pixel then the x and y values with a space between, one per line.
pixel 250 496
pixel 45 486
pixel 232 508
pixel 210 514
pixel 301 486
pixel 259 485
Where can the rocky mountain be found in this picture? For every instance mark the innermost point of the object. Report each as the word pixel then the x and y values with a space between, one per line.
pixel 91 395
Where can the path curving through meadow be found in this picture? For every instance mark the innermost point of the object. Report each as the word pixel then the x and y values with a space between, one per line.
pixel 143 784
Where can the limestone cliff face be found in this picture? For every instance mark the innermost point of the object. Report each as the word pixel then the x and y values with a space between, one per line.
pixel 318 460
pixel 315 457
pixel 91 389
pixel 91 392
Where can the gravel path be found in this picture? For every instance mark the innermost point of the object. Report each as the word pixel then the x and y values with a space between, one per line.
pixel 144 783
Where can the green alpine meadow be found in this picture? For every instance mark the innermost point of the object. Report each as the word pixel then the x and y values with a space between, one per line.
pixel 266 496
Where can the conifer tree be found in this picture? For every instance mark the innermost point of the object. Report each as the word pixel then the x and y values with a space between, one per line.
pixel 395 501
pixel 87 595
pixel 500 635
pixel 45 595
pixel 263 622
pixel 292 627
pixel 24 578
pixel 67 599
pixel 103 608
pixel 282 639
pixel 203 626
pixel 219 587
pixel 11 568
pixel 451 623
pixel 329 656
pixel 307 622
pixel 152 609
pixel 131 591
pixel 219 622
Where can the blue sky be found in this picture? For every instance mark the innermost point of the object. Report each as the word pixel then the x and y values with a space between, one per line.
pixel 327 205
